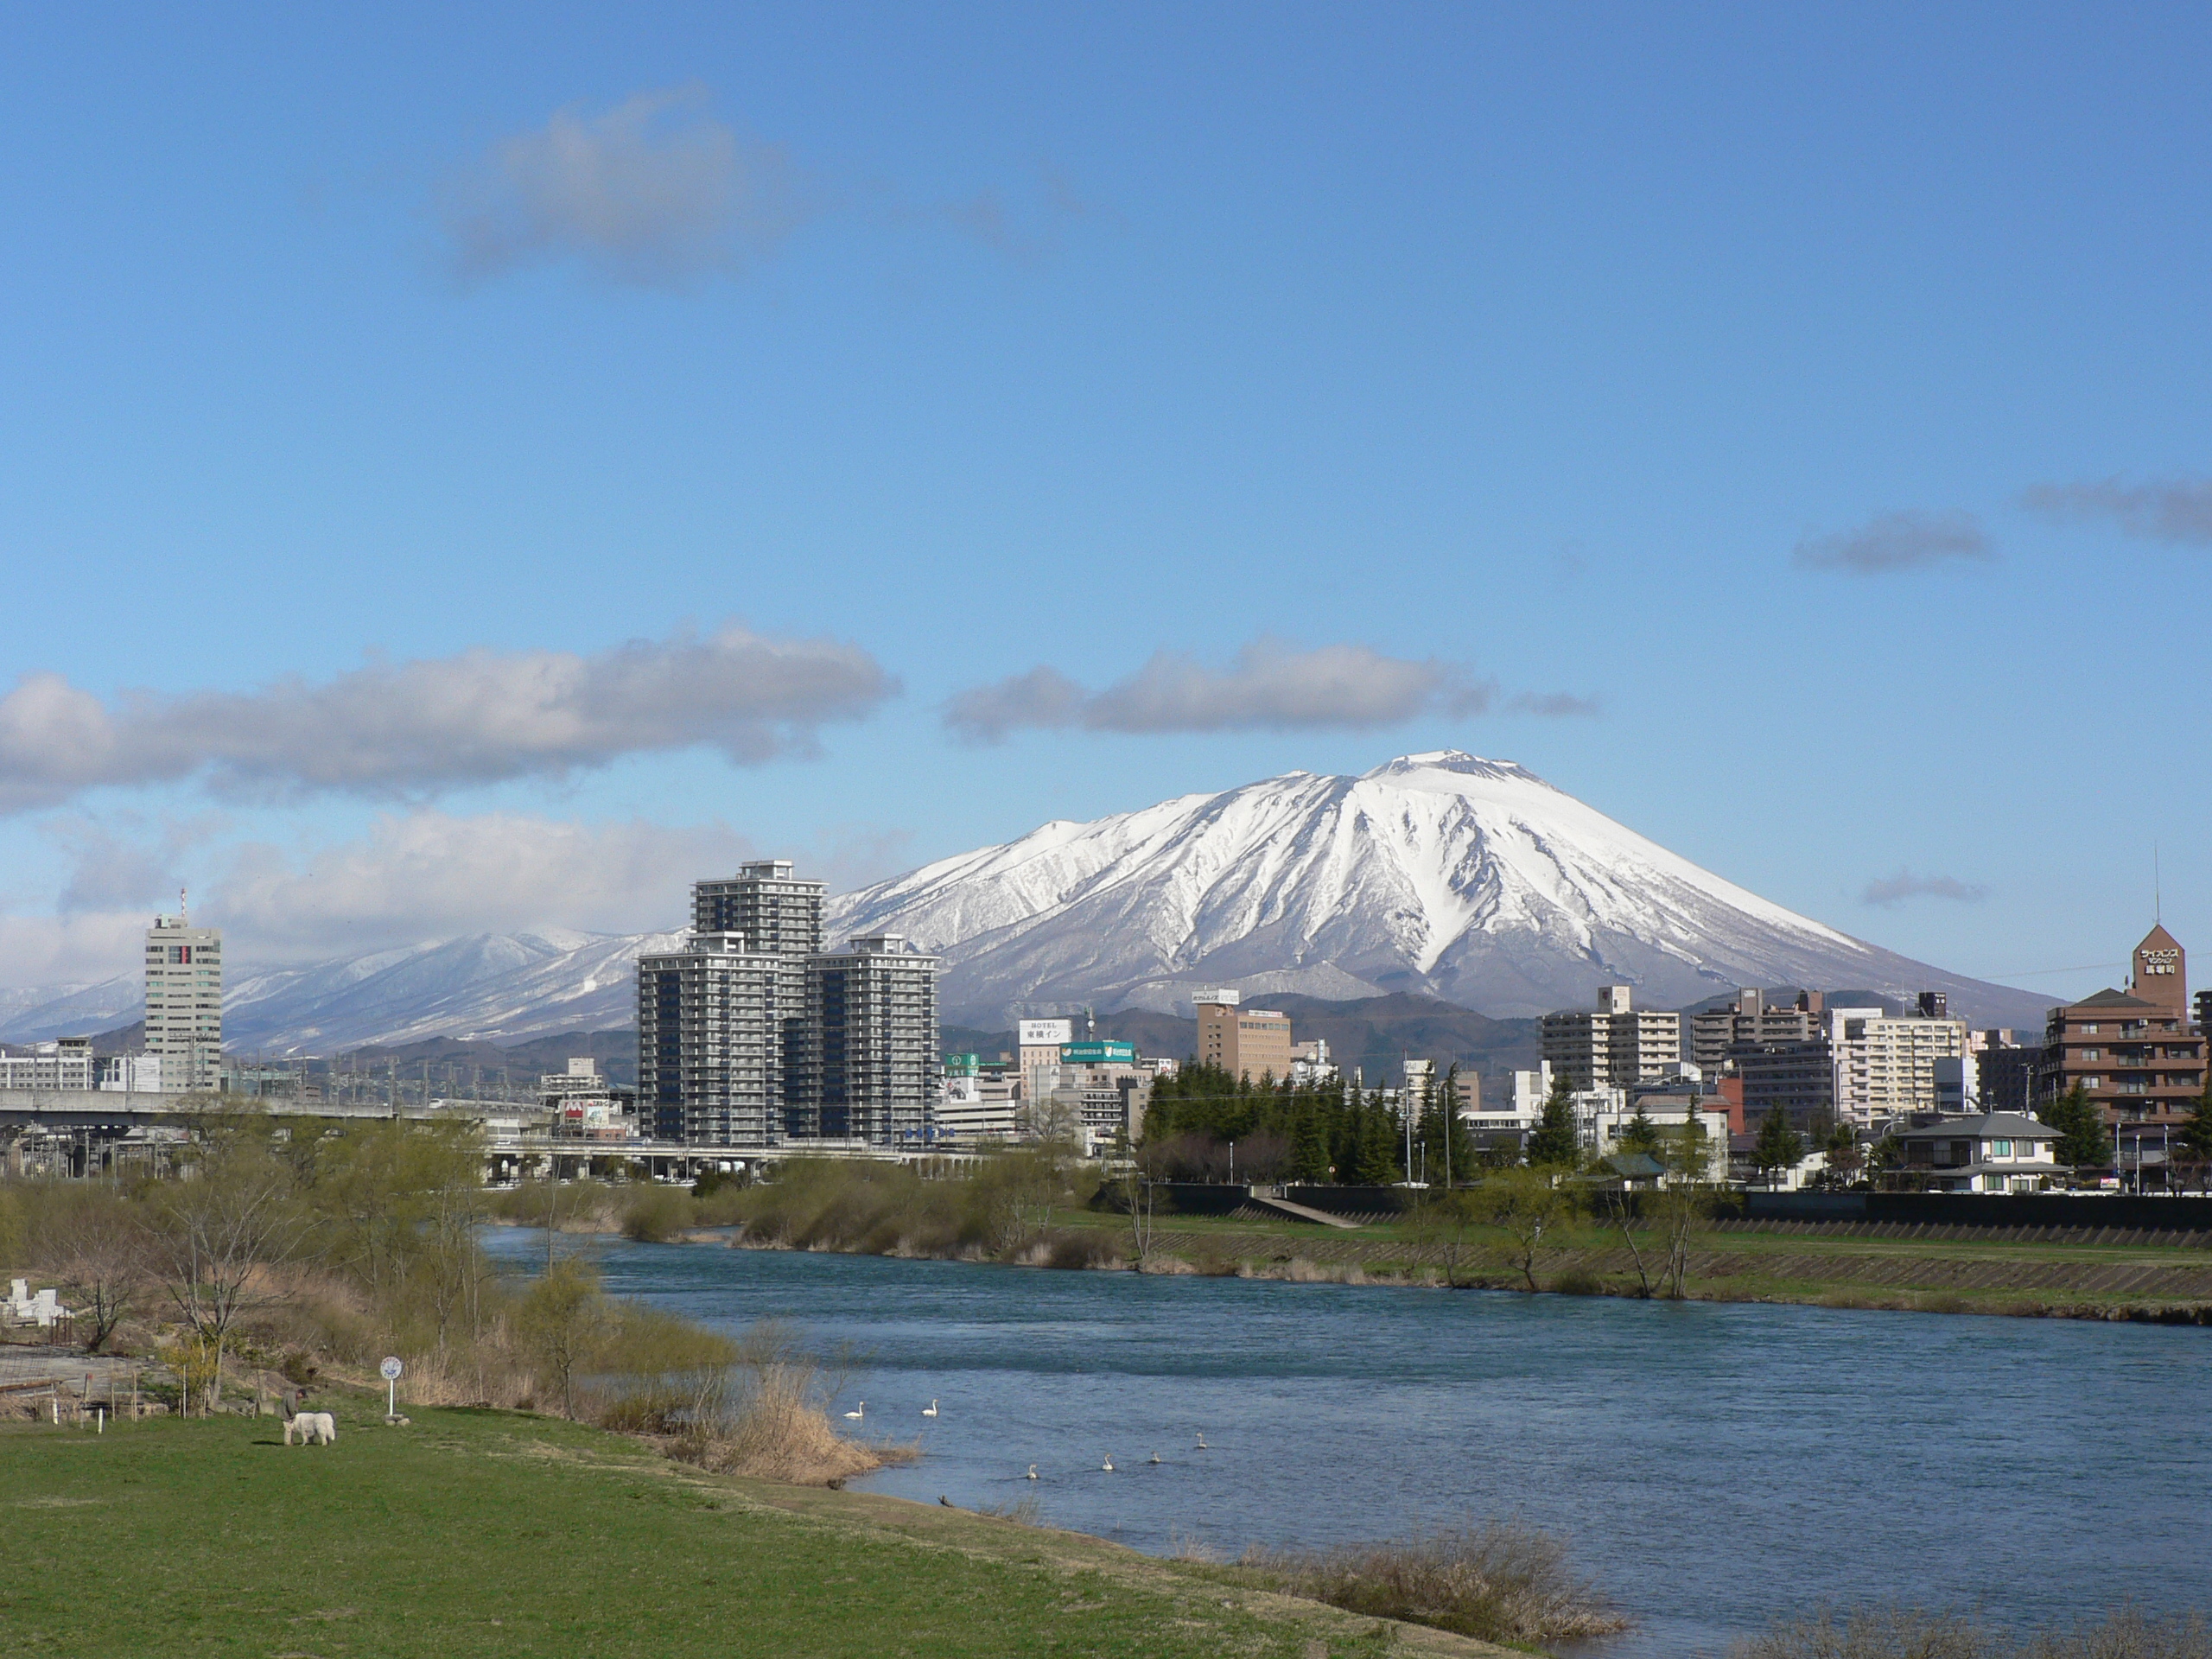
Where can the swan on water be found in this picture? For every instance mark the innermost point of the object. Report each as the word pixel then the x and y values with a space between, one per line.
pixel 859 1407
pixel 1108 1465
pixel 930 1410
pixel 1155 1457
pixel 1033 1471
pixel 1202 1444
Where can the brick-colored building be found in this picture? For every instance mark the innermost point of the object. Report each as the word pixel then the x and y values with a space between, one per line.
pixel 1250 1043
pixel 2134 1052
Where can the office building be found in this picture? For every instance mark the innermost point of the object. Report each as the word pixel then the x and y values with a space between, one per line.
pixel 712 1042
pixel 867 1051
pixel 779 914
pixel 2132 1051
pixel 128 1074
pixel 184 1004
pixel 1615 1046
pixel 65 1065
pixel 1250 1043
pixel 1040 1043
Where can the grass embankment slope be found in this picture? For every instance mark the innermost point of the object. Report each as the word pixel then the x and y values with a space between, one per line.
pixel 1970 1276
pixel 498 1533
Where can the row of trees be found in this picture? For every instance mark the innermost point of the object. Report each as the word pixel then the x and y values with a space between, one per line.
pixel 1281 1132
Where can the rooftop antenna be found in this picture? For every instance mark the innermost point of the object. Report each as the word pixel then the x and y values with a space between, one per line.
pixel 2157 903
pixel 184 910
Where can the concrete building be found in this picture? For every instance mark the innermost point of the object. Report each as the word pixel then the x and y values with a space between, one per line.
pixel 2004 1064
pixel 128 1074
pixel 1888 1067
pixel 1751 1019
pixel 868 1052
pixel 968 1109
pixel 184 1004
pixel 1617 1044
pixel 1603 1125
pixel 64 1065
pixel 778 914
pixel 2134 1052
pixel 1250 1043
pixel 712 1042
pixel 1039 1042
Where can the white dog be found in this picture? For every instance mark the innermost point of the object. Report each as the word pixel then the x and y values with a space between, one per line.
pixel 314 1428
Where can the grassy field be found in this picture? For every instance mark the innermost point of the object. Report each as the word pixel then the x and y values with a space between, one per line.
pixel 1940 1276
pixel 499 1533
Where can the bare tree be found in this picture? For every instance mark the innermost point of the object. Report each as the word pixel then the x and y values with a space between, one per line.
pixel 220 1229
pixel 96 1247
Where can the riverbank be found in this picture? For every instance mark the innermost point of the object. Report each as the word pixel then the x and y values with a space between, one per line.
pixel 492 1533
pixel 1742 1263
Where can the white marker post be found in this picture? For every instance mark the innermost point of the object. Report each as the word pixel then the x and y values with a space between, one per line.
pixel 392 1369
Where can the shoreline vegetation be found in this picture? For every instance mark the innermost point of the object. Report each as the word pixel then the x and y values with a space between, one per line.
pixel 1025 1209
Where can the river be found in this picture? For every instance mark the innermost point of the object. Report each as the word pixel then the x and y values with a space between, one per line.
pixel 1715 1465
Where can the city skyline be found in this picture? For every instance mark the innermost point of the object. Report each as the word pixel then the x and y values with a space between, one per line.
pixel 502 461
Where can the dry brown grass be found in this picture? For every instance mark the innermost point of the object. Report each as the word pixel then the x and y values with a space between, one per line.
pixel 1499 1581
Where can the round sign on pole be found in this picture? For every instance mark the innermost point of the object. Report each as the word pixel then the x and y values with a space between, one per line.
pixel 391 1369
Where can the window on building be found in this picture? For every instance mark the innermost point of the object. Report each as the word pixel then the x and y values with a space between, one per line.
pixel 2001 1148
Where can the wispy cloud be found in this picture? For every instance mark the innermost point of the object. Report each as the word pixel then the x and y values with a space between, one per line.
pixel 657 193
pixel 1897 541
pixel 416 727
pixel 1270 686
pixel 654 191
pixel 2163 510
pixel 1554 705
pixel 1896 889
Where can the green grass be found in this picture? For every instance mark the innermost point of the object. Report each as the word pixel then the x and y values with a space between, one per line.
pixel 494 1532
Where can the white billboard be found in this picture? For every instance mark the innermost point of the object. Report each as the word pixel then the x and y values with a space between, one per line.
pixel 1043 1033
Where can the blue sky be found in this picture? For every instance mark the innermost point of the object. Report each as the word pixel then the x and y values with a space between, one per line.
pixel 481 471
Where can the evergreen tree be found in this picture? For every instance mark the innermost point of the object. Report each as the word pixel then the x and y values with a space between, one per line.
pixel 1555 1140
pixel 1375 1146
pixel 1642 1134
pixel 1779 1147
pixel 1309 1146
pixel 2083 1139
pixel 2196 1134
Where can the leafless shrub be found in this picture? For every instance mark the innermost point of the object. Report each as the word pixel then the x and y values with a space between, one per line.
pixel 1499 1581
pixel 1025 1511
pixel 768 1417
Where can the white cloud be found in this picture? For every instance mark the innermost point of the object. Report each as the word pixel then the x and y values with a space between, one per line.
pixel 416 728
pixel 1271 686
pixel 1897 541
pixel 425 875
pixel 1894 889
pixel 654 192
pixel 2165 509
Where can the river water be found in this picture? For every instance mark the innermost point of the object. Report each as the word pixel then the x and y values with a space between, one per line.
pixel 1715 1465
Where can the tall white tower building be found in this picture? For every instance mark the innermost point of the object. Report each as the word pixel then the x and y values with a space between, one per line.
pixel 184 1004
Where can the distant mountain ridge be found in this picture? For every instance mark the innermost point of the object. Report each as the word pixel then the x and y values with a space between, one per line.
pixel 1442 876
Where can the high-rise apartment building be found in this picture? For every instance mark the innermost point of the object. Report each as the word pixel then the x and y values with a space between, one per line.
pixel 1248 1043
pixel 867 1056
pixel 711 1042
pixel 1887 1068
pixel 184 1004
pixel 780 914
pixel 1617 1044
pixel 2132 1051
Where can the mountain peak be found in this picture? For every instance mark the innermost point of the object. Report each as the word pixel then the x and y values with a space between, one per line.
pixel 1458 761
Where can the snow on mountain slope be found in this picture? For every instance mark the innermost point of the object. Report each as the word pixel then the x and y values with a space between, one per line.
pixel 1473 880
pixel 1469 879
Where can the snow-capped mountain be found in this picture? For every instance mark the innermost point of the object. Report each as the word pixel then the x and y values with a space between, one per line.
pixel 1471 879
pixel 503 986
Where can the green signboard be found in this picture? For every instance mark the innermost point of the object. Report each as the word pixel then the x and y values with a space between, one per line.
pixel 1098 1053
